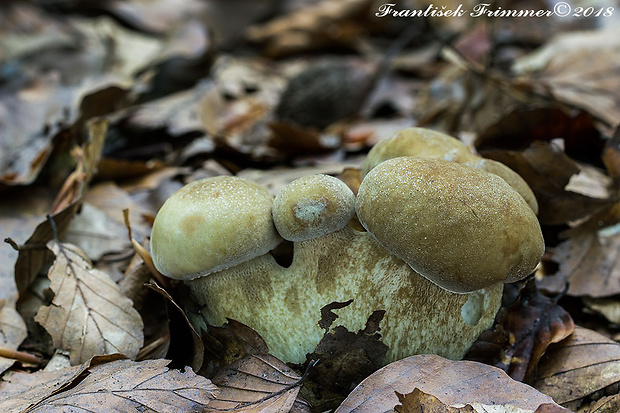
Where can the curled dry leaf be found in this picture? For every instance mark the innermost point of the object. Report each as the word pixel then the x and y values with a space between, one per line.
pixel 578 366
pixel 258 383
pixel 452 382
pixel 119 385
pixel 12 332
pixel 523 334
pixel 88 315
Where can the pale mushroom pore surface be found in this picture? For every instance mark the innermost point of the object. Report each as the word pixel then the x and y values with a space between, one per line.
pixel 211 224
pixel 312 206
pixel 460 227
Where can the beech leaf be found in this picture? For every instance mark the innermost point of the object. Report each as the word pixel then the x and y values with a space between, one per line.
pixel 578 366
pixel 256 383
pixel 117 385
pixel 454 383
pixel 88 315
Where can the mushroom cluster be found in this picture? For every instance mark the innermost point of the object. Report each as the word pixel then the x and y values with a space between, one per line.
pixel 443 234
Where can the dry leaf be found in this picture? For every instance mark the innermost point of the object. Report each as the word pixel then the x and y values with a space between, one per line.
pixel 611 157
pixel 580 69
pixel 20 391
pixel 258 383
pixel 548 170
pixel 609 404
pixel 589 261
pixel 12 331
pixel 88 315
pixel 418 401
pixel 32 255
pixel 578 366
pixel 452 382
pixel 304 30
pixel 119 385
pixel 524 331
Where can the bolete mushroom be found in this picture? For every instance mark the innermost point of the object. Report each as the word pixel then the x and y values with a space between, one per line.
pixel 332 262
pixel 427 143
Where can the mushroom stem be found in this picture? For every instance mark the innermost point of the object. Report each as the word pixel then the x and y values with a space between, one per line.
pixel 284 304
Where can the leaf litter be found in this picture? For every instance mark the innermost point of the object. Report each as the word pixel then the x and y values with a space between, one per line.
pixel 184 96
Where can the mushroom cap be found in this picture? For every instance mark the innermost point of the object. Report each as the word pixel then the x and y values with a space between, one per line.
pixel 211 224
pixel 421 142
pixel 312 206
pixel 460 227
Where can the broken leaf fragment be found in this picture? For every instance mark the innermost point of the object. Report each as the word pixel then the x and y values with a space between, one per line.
pixel 88 315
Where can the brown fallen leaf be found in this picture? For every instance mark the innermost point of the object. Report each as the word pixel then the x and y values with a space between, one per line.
pixel 12 332
pixel 611 157
pixel 609 404
pixel 88 315
pixel 346 358
pixel 579 69
pixel 228 343
pixel 119 385
pixel 589 261
pixel 257 383
pixel 452 382
pixel 524 331
pixel 418 401
pixel 548 170
pixel 304 29
pixel 33 255
pixel 578 366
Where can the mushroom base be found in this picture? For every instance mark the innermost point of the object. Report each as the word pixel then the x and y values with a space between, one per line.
pixel 284 305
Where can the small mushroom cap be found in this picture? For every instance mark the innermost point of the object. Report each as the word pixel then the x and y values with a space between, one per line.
pixel 312 206
pixel 211 224
pixel 460 227
pixel 422 142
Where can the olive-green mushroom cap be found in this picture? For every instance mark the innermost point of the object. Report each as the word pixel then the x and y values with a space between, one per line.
pixel 460 227
pixel 212 224
pixel 422 142
pixel 312 206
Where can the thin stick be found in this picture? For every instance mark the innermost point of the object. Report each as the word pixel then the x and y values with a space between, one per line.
pixel 19 356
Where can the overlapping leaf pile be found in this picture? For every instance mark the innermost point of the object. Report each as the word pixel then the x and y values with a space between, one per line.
pixel 108 107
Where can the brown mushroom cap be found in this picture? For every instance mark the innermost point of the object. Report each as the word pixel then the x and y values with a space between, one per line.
pixel 312 206
pixel 458 226
pixel 211 224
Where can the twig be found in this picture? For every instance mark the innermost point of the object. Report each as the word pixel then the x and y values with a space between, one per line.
pixel 19 356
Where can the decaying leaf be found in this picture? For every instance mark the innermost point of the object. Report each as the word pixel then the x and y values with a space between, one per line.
pixel 589 261
pixel 578 366
pixel 119 385
pixel 580 69
pixel 524 332
pixel 452 382
pixel 304 30
pixel 257 383
pixel 611 157
pixel 88 315
pixel 33 255
pixel 228 343
pixel 548 170
pixel 346 358
pixel 12 331
pixel 418 401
